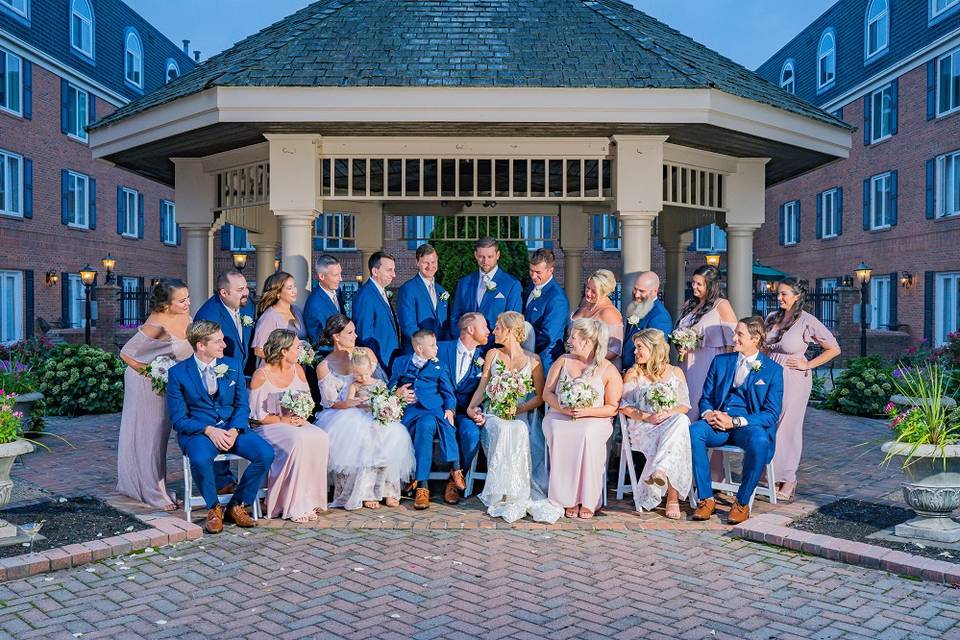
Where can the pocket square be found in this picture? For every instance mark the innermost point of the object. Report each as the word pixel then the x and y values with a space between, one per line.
pixel 498 296
pixel 759 382
pixel 233 382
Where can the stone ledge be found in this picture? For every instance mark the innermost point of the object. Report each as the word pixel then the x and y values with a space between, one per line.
pixel 771 529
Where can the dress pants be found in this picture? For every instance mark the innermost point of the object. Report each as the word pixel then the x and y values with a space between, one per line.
pixel 754 441
pixel 201 451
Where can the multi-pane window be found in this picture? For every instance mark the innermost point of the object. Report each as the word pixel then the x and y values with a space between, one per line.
pixel 130 213
pixel 348 291
pixel 77 117
pixel 791 223
pixel 827 59
pixel 947 306
pixel 880 289
pixel 710 238
pixel 18 6
pixel 947 184
pixel 881 113
pixel 76 294
pixel 535 230
pixel 133 60
pixel 11 83
pixel 788 79
pixel 881 201
pixel 939 6
pixel 239 239
pixel 168 222
pixel 607 229
pixel 878 27
pixel 11 184
pixel 948 83
pixel 81 27
pixel 830 213
pixel 78 200
pixel 11 306
pixel 337 231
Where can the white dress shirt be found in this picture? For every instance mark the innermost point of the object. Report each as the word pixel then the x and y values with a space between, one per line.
pixel 418 361
pixel 235 314
pixel 482 284
pixel 743 368
pixel 431 289
pixel 537 290
pixel 464 358
pixel 383 292
pixel 208 374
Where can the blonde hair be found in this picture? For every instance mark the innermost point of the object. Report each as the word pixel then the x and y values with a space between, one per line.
pixel 604 281
pixel 277 342
pixel 597 333
pixel 199 332
pixel 360 358
pixel 514 323
pixel 655 342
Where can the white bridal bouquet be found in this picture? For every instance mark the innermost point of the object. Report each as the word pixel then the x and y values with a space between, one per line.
pixel 299 403
pixel 158 371
pixel 386 405
pixel 576 394
pixel 686 340
pixel 505 390
pixel 306 355
pixel 661 396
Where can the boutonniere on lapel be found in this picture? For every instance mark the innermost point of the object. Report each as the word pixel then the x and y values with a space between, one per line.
pixel 221 370
pixel 491 285
pixel 445 296
pixel 435 360
pixel 537 293
pixel 246 321
pixel 478 361
pixel 389 294
pixel 755 366
pixel 633 320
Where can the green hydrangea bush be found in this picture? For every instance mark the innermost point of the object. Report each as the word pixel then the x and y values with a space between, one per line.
pixel 863 388
pixel 80 379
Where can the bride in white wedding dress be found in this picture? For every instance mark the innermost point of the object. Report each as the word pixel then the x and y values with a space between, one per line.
pixel 508 491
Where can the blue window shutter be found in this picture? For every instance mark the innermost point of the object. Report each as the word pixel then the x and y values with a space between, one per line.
pixel 598 232
pixel 162 226
pixel 839 215
pixel 783 225
pixel 929 295
pixel 796 224
pixel 894 108
pixel 179 235
pixel 866 204
pixel 931 200
pixel 411 224
pixel 27 188
pixel 28 313
pixel 91 108
pixel 120 211
pixel 819 215
pixel 225 237
pixel 27 90
pixel 894 281
pixel 140 216
pixel 932 89
pixel 866 120
pixel 65 299
pixel 893 198
pixel 547 233
pixel 64 193
pixel 92 193
pixel 64 112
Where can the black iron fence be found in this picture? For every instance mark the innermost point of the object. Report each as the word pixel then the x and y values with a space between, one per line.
pixel 133 308
pixel 823 303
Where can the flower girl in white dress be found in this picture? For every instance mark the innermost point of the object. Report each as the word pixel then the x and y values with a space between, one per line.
pixel 370 460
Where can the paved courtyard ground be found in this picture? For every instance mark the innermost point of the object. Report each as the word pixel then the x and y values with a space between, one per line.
pixel 454 573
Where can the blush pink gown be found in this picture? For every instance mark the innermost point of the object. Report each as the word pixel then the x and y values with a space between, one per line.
pixel 717 337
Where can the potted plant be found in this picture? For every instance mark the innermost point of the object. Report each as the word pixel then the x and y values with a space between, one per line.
pixel 926 423
pixel 12 442
pixel 18 378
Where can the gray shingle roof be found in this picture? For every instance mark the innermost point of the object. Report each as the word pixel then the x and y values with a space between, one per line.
pixel 473 43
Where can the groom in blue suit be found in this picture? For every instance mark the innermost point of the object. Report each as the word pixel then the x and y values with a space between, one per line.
pixel 645 312
pixel 207 403
pixel 490 290
pixel 741 402
pixel 421 301
pixel 377 326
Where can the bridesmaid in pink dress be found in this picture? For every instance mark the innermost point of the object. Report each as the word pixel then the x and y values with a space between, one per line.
pixel 713 318
pixel 277 310
pixel 144 424
pixel 577 438
pixel 297 484
pixel 596 305
pixel 790 331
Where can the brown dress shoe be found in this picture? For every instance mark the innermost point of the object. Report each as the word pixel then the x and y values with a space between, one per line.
pixel 456 477
pixel 705 509
pixel 227 490
pixel 422 499
pixel 214 522
pixel 738 513
pixel 238 515
pixel 451 495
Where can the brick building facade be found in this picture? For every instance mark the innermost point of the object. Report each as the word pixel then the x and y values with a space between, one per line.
pixel 64 63
pixel 893 70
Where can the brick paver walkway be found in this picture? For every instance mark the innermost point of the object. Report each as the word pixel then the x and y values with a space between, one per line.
pixel 417 577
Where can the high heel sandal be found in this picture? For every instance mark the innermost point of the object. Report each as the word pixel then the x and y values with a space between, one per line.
pixel 783 496
pixel 586 514
pixel 672 510
pixel 571 512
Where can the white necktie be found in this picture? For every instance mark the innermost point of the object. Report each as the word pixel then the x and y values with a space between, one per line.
pixel 463 365
pixel 210 378
pixel 743 369
pixel 334 299
pixel 238 322
pixel 484 279
pixel 433 293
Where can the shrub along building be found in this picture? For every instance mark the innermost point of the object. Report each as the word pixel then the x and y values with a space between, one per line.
pixel 63 64
pixel 588 123
pixel 892 68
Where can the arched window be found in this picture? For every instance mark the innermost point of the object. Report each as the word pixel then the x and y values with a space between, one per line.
pixel 172 70
pixel 81 27
pixel 133 59
pixel 827 59
pixel 788 79
pixel 878 26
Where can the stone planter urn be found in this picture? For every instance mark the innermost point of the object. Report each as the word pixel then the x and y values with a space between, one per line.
pixel 932 490
pixel 8 452
pixel 24 403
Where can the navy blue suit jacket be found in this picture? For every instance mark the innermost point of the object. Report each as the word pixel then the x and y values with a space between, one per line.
pixel 376 324
pixel 430 383
pixel 764 392
pixel 318 309
pixel 415 311
pixel 465 389
pixel 549 315
pixel 506 296
pixel 238 346
pixel 192 409
pixel 657 318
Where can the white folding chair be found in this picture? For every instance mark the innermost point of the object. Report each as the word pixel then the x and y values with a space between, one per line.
pixel 626 465
pixel 473 474
pixel 727 484
pixel 190 501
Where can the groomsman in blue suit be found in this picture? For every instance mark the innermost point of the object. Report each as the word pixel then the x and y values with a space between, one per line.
pixel 490 290
pixel 325 300
pixel 742 398
pixel 463 360
pixel 229 307
pixel 546 308
pixel 377 326
pixel 421 302
pixel 207 403
pixel 431 414
pixel 645 312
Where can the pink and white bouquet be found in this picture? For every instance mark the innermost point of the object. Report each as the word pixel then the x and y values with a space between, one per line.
pixel 686 340
pixel 505 390
pixel 661 396
pixel 385 405
pixel 298 403
pixel 158 373
pixel 576 394
pixel 306 354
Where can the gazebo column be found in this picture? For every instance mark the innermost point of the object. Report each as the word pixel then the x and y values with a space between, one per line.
pixel 746 191
pixel 368 231
pixel 574 237
pixel 296 241
pixel 675 253
pixel 266 243
pixel 636 248
pixel 199 274
pixel 196 196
